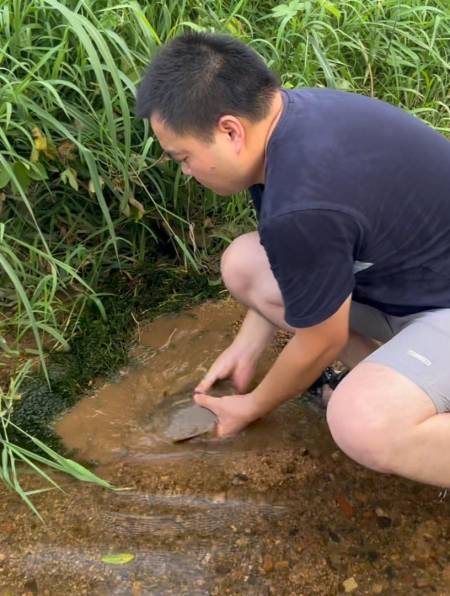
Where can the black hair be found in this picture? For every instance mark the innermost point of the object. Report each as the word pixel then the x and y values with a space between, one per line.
pixel 198 77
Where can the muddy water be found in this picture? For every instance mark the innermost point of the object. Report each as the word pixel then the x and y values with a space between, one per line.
pixel 278 510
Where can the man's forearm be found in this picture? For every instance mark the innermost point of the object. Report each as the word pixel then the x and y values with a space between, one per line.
pixel 295 369
pixel 256 331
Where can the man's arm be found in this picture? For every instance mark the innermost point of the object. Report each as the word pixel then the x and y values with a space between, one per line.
pixel 296 368
pixel 239 360
pixel 302 360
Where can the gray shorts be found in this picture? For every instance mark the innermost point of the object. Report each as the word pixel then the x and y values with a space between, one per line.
pixel 417 346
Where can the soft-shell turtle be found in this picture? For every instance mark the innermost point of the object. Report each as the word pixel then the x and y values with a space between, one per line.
pixel 178 418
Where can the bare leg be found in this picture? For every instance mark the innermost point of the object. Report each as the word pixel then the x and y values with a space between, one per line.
pixel 386 422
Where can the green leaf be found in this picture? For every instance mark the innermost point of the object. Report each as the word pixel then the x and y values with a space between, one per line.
pixel 4 177
pixel 38 172
pixel 288 10
pixel 22 175
pixel 331 8
pixel 70 176
pixel 119 559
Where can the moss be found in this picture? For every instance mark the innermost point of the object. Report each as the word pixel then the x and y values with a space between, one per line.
pixel 100 347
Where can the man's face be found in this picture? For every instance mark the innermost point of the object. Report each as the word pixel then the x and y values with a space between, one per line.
pixel 219 165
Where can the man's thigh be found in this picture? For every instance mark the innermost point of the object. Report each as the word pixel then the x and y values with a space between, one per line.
pixel 420 352
pixel 403 383
pixel 373 413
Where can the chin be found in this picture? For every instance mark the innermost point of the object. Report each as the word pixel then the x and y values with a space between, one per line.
pixel 218 191
pixel 223 192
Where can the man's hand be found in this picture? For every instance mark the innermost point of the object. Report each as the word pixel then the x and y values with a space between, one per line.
pixel 299 364
pixel 234 412
pixel 238 362
pixel 234 363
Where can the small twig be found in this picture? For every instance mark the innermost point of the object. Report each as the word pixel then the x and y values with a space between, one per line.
pixel 166 345
pixel 138 327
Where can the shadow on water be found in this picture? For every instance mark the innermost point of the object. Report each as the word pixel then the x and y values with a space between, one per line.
pixel 278 510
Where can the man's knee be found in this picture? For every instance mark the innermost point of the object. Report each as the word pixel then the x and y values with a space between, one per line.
pixel 238 264
pixel 360 431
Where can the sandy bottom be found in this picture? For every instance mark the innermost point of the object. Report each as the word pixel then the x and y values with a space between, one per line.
pixel 278 510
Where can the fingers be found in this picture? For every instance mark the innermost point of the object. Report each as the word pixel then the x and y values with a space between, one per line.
pixel 206 401
pixel 207 382
pixel 215 405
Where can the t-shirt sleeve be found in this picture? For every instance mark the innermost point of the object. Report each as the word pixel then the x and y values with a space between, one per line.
pixel 311 254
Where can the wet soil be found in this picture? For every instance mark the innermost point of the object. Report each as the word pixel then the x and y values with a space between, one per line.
pixel 278 510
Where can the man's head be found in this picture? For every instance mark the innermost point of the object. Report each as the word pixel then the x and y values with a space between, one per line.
pixel 209 99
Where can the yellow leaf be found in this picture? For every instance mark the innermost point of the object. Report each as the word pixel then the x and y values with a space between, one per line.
pixel 41 145
pixel 40 140
pixel 137 205
pixel 119 559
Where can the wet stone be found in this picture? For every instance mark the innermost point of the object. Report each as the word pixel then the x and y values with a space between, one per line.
pixel 390 572
pixel 350 585
pixel 31 586
pixel 239 479
pixel 421 582
pixel 383 519
pixel 267 563
pixel 446 573
pixel 282 565
pixel 372 556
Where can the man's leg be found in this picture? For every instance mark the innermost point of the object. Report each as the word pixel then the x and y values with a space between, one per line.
pixel 384 421
pixel 391 412
pixel 247 274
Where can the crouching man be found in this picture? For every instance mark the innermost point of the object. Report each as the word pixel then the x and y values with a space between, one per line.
pixel 352 248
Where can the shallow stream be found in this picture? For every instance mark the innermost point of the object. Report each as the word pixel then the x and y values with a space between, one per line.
pixel 278 510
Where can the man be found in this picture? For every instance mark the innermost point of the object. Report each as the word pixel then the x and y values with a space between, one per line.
pixel 353 247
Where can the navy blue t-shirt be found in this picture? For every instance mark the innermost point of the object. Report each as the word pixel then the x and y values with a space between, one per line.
pixel 356 200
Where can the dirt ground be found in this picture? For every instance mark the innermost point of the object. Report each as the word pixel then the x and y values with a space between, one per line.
pixel 278 510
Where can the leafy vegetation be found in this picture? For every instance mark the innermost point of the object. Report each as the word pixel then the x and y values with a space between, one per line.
pixel 87 207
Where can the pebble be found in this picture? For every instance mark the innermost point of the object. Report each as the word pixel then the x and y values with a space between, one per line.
pixel 282 565
pixel 334 561
pixel 377 588
pixel 383 519
pixel 349 585
pixel 345 506
pixel 239 478
pixel 267 563
pixel 446 573
pixel 421 582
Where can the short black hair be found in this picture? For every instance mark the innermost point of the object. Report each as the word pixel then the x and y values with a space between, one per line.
pixel 198 77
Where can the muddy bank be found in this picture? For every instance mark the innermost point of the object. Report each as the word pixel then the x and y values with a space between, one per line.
pixel 278 510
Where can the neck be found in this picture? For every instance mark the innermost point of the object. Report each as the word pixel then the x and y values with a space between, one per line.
pixel 263 132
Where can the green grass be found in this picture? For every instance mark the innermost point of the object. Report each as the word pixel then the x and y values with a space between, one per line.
pixel 83 196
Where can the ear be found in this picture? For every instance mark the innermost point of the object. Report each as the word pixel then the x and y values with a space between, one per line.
pixel 234 129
